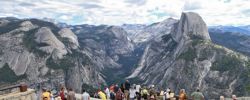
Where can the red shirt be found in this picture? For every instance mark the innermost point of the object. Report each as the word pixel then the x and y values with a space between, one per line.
pixel 62 95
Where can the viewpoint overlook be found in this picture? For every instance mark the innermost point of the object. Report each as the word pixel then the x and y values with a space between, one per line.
pixel 124 50
pixel 176 54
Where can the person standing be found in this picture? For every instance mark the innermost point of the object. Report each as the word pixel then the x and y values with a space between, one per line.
pixel 144 93
pixel 167 94
pixel 116 88
pixel 234 97
pixel 160 95
pixel 112 91
pixel 102 95
pixel 85 95
pixel 182 95
pixel 62 94
pixel 132 93
pixel 71 94
pixel 152 92
pixel 171 95
pixel 122 87
pixel 222 98
pixel 119 95
pixel 126 89
pixel 107 92
pixel 112 88
pixel 138 88
pixel 197 95
pixel 51 95
pixel 152 96
pixel 45 94
pixel 138 96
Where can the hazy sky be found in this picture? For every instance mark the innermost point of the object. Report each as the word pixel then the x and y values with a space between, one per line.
pixel 116 12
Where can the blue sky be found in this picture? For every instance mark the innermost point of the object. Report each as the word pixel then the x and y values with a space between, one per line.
pixel 117 12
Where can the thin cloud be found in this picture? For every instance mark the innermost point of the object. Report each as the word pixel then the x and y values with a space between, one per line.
pixel 27 4
pixel 192 5
pixel 117 12
pixel 90 6
pixel 246 12
pixel 136 2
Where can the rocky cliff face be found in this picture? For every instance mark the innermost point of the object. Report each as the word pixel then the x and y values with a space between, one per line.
pixel 37 51
pixel 188 59
pixel 147 33
pixel 190 25
pixel 110 49
pixel 133 29
pixel 173 53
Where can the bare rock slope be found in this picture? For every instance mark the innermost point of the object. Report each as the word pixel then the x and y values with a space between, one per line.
pixel 188 59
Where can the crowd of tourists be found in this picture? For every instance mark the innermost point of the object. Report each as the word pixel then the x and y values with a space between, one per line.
pixel 68 94
pixel 128 91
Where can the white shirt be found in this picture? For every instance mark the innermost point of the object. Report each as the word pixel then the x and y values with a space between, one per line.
pixel 107 92
pixel 85 96
pixel 132 93
pixel 137 87
pixel 166 95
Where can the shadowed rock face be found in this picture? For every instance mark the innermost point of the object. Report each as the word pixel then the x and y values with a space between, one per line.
pixel 236 41
pixel 188 59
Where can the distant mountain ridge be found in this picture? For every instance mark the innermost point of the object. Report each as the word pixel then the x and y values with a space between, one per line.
pixel 234 29
pixel 172 53
pixel 188 59
pixel 233 37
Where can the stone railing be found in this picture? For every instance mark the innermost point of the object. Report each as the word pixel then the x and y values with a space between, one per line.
pixel 10 89
pixel 28 95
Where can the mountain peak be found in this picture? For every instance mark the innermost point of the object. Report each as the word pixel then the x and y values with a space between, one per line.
pixel 191 25
pixel 169 20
